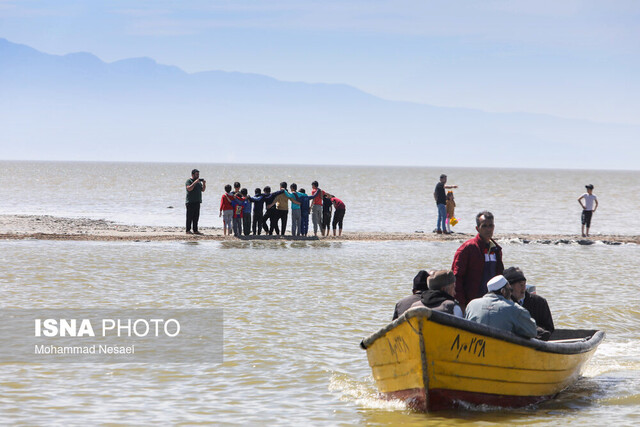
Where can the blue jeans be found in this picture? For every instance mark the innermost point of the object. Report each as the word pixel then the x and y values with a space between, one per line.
pixel 442 218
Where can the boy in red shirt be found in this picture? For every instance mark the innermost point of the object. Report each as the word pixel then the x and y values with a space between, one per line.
pixel 226 210
pixel 338 215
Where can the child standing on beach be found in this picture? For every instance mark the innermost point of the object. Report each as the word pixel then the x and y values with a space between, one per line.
pixel 451 207
pixel 246 212
pixel 326 214
pixel 226 210
pixel 304 211
pixel 588 208
pixel 238 204
pixel 258 211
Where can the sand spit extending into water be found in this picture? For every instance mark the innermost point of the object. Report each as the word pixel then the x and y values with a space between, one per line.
pixel 45 227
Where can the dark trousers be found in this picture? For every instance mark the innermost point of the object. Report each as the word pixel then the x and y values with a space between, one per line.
pixel 304 223
pixel 246 223
pixel 338 216
pixel 326 221
pixel 193 215
pixel 257 222
pixel 586 218
pixel 281 215
pixel 270 215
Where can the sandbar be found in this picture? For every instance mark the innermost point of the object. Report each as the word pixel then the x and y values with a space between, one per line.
pixel 47 227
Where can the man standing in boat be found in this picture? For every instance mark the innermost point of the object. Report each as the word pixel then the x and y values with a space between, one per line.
pixel 476 261
pixel 419 286
pixel 496 309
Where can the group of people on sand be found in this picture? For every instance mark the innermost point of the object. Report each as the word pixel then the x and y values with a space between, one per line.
pixel 243 214
pixel 446 206
pixel 480 289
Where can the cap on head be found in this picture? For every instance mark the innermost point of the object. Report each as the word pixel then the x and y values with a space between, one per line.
pixel 440 280
pixel 513 275
pixel 443 176
pixel 496 283
pixel 194 171
pixel 420 281
pixel 589 186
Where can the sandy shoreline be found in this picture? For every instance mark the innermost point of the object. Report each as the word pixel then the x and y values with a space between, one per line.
pixel 46 227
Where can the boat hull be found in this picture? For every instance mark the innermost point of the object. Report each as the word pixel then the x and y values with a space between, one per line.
pixel 435 361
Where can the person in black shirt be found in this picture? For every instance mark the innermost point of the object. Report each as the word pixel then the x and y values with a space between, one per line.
pixel 195 187
pixel 270 215
pixel 537 306
pixel 419 286
pixel 258 211
pixel 327 206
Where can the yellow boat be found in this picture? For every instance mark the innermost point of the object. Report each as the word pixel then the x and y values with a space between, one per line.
pixel 434 361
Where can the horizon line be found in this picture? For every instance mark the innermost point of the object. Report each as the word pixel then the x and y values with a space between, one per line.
pixel 400 166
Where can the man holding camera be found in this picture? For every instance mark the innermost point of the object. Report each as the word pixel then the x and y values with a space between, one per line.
pixel 195 186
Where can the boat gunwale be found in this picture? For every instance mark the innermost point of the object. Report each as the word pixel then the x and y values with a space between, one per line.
pixel 448 320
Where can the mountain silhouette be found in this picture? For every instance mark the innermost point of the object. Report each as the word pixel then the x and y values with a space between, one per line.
pixel 78 107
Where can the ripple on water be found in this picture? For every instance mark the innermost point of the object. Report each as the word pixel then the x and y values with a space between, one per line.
pixel 294 314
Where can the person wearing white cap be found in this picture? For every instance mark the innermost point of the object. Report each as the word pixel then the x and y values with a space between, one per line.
pixel 496 309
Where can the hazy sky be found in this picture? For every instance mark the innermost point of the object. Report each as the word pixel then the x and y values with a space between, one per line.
pixel 575 59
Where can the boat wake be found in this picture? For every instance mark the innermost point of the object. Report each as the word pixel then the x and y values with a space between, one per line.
pixel 614 356
pixel 363 393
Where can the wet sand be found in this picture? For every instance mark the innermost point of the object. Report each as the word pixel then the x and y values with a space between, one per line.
pixel 46 227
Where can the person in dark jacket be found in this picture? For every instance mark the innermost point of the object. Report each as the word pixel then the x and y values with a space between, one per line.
pixel 419 286
pixel 535 305
pixel 477 261
pixel 441 294
pixel 271 214
pixel 258 211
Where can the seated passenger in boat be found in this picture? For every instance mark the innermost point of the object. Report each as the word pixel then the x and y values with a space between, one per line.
pixel 496 309
pixel 419 286
pixel 441 293
pixel 535 305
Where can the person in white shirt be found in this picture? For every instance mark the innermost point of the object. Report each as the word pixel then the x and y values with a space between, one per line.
pixel 589 206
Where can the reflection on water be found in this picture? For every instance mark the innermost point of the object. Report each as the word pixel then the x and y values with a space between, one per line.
pixel 294 314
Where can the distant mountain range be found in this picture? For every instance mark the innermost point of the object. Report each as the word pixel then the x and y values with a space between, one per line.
pixel 77 107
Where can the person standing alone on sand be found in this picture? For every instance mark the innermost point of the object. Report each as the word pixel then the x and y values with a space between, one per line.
pixel 441 202
pixel 588 208
pixel 195 188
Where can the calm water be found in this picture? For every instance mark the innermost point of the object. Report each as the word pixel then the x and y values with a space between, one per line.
pixel 294 313
pixel 377 198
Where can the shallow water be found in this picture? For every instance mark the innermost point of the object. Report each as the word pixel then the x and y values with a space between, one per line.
pixel 294 314
pixel 377 198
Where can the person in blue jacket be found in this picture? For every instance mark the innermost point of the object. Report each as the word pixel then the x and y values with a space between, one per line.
pixel 246 212
pixel 258 211
pixel 305 210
